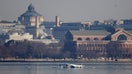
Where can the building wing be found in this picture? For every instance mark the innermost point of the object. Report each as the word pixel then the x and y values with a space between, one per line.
pixel 90 33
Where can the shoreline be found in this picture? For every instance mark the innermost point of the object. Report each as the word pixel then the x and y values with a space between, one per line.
pixel 69 60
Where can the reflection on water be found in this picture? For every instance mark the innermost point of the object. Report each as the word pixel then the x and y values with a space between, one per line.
pixel 55 68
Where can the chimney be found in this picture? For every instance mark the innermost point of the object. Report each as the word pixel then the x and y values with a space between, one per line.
pixel 37 22
pixel 57 21
pixel 37 26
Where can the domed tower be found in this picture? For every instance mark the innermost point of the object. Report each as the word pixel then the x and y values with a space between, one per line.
pixel 32 20
pixel 30 17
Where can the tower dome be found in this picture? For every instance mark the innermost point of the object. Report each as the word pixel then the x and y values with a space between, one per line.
pixel 31 7
pixel 31 12
pixel 29 17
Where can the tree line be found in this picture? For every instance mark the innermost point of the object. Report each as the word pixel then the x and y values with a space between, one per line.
pixel 28 49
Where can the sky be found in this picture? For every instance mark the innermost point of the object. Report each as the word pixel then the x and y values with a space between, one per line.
pixel 69 10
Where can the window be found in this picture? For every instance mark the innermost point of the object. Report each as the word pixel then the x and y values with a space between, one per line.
pixel 96 39
pixel 122 37
pixel 87 39
pixel 79 39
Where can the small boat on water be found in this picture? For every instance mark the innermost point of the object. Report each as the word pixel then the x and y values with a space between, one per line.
pixel 72 66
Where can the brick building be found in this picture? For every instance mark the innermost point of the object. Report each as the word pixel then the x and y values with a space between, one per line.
pixel 99 43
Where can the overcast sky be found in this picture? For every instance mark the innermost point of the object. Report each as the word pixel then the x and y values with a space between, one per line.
pixel 69 10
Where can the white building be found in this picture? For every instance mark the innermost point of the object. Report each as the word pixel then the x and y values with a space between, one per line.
pixel 16 36
pixel 5 27
pixel 45 41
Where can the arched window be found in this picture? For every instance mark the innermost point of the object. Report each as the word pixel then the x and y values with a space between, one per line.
pixel 79 39
pixel 96 39
pixel 122 37
pixel 87 39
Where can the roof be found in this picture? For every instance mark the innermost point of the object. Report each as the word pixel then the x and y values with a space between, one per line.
pixel 129 31
pixel 91 33
pixel 31 11
pixel 66 28
pixel 71 24
pixel 48 24
pixel 126 27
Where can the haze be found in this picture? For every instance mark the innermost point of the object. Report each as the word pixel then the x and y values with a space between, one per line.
pixel 69 10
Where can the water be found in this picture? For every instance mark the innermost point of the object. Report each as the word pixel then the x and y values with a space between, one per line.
pixel 55 68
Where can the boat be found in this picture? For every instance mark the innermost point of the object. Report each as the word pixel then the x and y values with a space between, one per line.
pixel 72 66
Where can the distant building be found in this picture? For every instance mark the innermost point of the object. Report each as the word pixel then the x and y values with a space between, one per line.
pixel 5 27
pixel 59 32
pixel 45 41
pixel 15 36
pixel 32 20
pixel 127 21
pixel 48 24
pixel 30 17
pixel 6 24
pixel 48 27
pixel 97 27
pixel 125 26
pixel 99 43
pixel 20 37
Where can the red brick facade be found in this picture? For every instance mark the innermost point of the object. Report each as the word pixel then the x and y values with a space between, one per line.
pixel 95 46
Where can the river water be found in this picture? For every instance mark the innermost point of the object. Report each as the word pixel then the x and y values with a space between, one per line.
pixel 56 68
